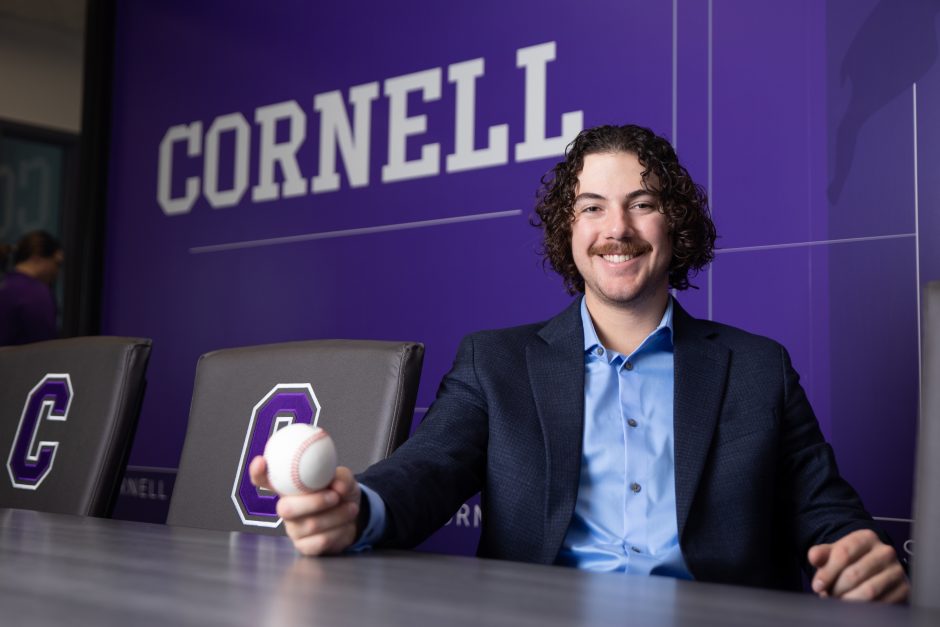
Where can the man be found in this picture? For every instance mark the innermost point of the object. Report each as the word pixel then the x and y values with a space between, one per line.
pixel 622 435
pixel 27 304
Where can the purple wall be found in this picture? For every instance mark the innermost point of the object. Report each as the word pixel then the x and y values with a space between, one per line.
pixel 797 116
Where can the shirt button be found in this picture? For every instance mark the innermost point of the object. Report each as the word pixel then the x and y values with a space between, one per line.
pixel 634 549
pixel 635 487
pixel 632 422
pixel 599 351
pixel 628 365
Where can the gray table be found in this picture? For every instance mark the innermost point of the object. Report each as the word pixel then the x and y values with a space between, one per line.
pixel 68 570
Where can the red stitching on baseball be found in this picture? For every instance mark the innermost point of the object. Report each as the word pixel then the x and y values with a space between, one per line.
pixel 319 434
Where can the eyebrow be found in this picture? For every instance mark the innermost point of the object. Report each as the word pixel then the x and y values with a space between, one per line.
pixel 630 197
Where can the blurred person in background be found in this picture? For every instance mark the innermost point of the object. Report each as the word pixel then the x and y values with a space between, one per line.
pixel 27 303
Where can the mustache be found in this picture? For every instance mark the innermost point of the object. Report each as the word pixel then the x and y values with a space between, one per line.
pixel 632 248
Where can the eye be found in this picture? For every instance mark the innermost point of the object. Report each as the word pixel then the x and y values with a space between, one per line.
pixel 589 209
pixel 644 206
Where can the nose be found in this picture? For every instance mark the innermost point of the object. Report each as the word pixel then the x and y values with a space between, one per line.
pixel 619 224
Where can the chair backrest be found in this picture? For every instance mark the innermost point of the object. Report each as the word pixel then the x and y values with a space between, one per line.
pixel 68 411
pixel 361 392
pixel 926 559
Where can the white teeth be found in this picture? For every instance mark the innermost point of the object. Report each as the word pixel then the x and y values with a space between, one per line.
pixel 617 258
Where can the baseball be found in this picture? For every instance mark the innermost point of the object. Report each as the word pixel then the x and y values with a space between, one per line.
pixel 300 458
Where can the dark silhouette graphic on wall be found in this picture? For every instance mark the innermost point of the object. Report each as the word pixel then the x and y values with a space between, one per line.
pixel 894 48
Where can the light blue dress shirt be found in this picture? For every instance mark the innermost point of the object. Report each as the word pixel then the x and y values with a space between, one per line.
pixel 376 525
pixel 625 516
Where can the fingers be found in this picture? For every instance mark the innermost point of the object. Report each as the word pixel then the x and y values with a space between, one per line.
pixel 258 470
pixel 320 530
pixel 889 585
pixel 293 507
pixel 319 523
pixel 345 484
pixel 330 542
pixel 343 488
pixel 865 570
pixel 900 593
pixel 859 567
pixel 842 553
pixel 344 514
pixel 325 521
pixel 819 554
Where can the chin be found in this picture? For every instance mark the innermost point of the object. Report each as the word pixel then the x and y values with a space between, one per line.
pixel 621 298
pixel 626 297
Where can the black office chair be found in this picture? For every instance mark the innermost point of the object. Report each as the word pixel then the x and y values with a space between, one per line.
pixel 361 392
pixel 68 410
pixel 926 560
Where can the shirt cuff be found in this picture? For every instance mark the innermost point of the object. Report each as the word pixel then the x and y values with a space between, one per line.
pixel 375 527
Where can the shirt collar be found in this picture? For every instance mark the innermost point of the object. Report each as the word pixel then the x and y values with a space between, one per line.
pixel 591 340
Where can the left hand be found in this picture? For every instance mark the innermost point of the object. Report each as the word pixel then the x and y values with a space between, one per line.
pixel 859 567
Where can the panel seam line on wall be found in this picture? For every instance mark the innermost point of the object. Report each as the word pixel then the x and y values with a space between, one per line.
pixel 847 240
pixel 711 191
pixel 675 74
pixel 368 230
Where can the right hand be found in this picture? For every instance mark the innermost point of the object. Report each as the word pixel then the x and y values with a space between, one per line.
pixel 320 523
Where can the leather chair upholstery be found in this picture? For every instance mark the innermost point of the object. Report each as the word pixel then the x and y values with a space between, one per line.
pixel 68 411
pixel 364 395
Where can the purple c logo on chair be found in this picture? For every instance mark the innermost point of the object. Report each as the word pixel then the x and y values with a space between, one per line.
pixel 30 461
pixel 286 403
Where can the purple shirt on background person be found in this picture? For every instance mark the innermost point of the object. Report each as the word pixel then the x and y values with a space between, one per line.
pixel 27 310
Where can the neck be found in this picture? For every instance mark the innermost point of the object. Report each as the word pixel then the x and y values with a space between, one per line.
pixel 623 328
pixel 30 269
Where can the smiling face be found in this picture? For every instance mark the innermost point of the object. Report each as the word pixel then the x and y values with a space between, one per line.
pixel 619 237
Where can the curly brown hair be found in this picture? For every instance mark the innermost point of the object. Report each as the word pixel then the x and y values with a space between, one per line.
pixel 682 201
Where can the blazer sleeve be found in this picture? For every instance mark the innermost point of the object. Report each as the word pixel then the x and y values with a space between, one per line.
pixel 442 464
pixel 823 505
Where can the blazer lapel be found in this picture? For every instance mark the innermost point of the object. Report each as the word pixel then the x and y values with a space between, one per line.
pixel 555 362
pixel 701 370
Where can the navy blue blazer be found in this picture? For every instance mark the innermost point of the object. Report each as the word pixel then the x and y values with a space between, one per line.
pixel 756 484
